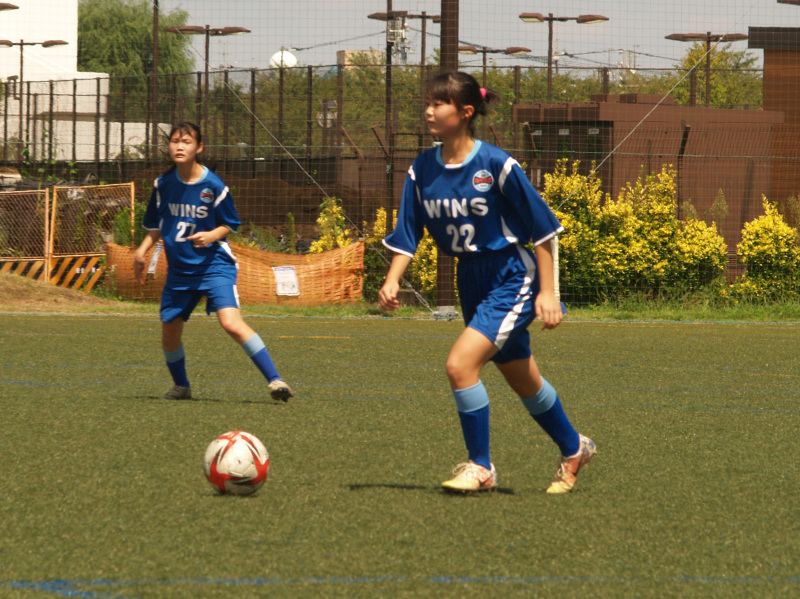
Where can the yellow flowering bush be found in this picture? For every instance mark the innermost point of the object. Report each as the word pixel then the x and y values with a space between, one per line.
pixel 422 271
pixel 771 257
pixel 333 230
pixel 374 256
pixel 701 255
pixel 632 244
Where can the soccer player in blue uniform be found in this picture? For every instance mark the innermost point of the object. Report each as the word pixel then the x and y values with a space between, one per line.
pixel 192 211
pixel 479 206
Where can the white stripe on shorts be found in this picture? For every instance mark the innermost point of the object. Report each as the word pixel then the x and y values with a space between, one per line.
pixel 524 295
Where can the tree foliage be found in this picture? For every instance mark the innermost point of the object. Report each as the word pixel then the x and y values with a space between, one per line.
pixel 116 37
pixel 735 81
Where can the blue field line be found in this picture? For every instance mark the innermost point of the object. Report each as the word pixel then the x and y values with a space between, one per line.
pixel 81 588
pixel 208 389
pixel 572 319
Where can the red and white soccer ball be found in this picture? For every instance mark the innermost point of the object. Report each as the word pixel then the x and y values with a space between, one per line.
pixel 236 463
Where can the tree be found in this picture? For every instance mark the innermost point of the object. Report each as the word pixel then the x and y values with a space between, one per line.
pixel 116 37
pixel 735 81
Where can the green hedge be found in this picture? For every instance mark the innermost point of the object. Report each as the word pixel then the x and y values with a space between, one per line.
pixel 635 245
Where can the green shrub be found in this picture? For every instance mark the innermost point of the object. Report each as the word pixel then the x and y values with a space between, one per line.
pixel 253 236
pixel 124 233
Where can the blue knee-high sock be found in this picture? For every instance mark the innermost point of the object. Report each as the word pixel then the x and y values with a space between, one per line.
pixel 547 411
pixel 257 351
pixel 176 362
pixel 473 411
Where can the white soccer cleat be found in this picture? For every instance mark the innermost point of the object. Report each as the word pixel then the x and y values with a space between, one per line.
pixel 178 392
pixel 280 391
pixel 470 477
pixel 567 473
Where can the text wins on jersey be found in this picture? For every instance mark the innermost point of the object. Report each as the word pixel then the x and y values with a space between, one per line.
pixel 188 210
pixel 455 208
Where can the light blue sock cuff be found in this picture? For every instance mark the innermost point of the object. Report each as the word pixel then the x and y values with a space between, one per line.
pixel 542 401
pixel 253 345
pixel 472 398
pixel 175 356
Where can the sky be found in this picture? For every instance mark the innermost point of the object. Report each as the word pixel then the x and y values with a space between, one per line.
pixel 633 35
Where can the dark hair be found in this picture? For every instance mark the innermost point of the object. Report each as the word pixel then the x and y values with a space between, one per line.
pixel 461 89
pixel 188 128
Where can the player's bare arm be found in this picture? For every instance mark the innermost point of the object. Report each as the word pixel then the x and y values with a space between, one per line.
pixel 204 238
pixel 387 296
pixel 548 309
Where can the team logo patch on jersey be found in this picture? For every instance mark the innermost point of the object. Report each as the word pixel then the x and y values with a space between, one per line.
pixel 482 180
pixel 207 195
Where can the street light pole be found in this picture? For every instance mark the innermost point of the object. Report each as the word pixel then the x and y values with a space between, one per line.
pixel 707 37
pixel 537 17
pixel 207 31
pixel 550 57
pixel 154 86
pixel 205 81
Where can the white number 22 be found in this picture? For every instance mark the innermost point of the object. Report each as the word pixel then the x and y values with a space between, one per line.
pixel 466 231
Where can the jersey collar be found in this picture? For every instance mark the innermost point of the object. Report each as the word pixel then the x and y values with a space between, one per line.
pixel 200 180
pixel 478 144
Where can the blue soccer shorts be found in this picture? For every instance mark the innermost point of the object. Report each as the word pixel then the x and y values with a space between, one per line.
pixel 181 303
pixel 497 292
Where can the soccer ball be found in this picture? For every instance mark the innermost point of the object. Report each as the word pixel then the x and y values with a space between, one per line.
pixel 236 463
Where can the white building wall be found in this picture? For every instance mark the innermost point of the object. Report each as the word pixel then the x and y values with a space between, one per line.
pixel 38 21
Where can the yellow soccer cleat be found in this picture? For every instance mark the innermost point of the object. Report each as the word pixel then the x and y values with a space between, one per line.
pixel 470 477
pixel 567 473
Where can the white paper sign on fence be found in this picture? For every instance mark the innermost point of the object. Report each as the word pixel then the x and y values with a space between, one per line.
pixel 286 280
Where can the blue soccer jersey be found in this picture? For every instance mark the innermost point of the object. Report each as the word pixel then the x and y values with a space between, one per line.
pixel 178 210
pixel 484 204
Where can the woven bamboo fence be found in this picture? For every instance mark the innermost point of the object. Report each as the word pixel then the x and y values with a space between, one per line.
pixel 332 277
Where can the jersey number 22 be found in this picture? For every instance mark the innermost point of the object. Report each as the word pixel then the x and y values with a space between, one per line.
pixel 459 245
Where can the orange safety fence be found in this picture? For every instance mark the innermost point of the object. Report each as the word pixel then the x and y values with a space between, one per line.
pixel 58 235
pixel 332 277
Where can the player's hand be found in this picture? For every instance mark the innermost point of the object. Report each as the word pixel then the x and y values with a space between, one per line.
pixel 548 310
pixel 387 296
pixel 139 266
pixel 202 239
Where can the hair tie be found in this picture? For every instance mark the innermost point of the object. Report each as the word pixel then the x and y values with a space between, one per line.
pixel 483 93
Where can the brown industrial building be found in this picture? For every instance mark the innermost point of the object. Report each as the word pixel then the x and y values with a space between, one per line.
pixel 781 83
pixel 713 150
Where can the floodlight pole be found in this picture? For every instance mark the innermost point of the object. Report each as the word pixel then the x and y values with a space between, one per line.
pixel 535 17
pixel 208 31
pixel 707 37
pixel 154 86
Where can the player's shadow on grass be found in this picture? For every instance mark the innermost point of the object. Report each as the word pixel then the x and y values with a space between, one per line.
pixel 401 487
pixel 210 399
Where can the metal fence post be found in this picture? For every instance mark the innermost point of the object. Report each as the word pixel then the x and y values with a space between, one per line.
pixel 97 130
pixel 74 120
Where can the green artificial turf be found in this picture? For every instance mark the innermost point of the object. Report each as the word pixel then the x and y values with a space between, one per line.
pixel 694 492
